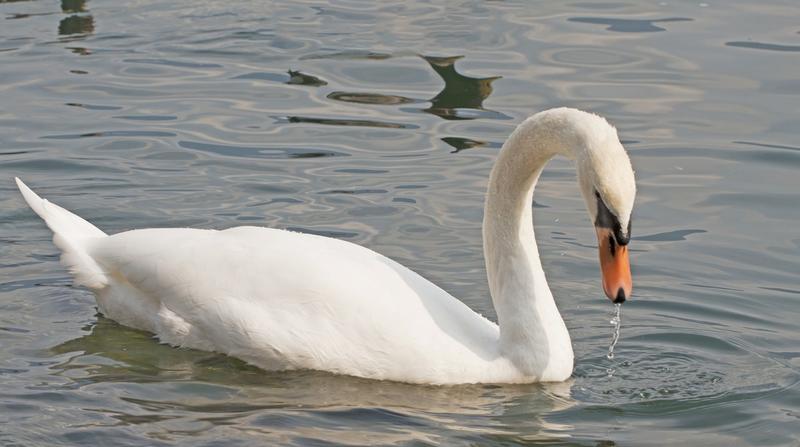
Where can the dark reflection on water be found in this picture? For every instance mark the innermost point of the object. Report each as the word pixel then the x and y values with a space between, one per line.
pixel 291 77
pixel 370 98
pixel 298 78
pixel 80 51
pixel 259 152
pixel 347 54
pixel 461 98
pixel 772 146
pixel 76 23
pixel 629 25
pixel 73 5
pixel 274 77
pixel 346 122
pixel 459 92
pixel 93 107
pixel 763 46
pixel 111 133
pixel 459 144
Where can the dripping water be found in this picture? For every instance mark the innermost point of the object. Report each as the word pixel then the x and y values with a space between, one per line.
pixel 616 321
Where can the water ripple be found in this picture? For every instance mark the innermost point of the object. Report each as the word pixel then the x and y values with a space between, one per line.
pixel 259 152
pixel 763 46
pixel 629 25
pixel 378 122
pixel 345 122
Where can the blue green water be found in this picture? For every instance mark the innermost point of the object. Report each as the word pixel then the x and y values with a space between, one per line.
pixel 377 123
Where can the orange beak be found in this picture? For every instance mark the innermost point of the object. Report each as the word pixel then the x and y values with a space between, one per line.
pixel 614 265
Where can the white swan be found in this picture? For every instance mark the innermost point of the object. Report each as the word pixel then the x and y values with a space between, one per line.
pixel 284 300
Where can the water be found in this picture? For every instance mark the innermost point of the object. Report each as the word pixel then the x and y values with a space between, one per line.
pixel 378 123
pixel 616 321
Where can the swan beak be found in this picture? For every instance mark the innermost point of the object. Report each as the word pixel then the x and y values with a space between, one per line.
pixel 614 265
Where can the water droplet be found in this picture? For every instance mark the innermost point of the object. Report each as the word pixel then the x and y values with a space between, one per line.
pixel 617 322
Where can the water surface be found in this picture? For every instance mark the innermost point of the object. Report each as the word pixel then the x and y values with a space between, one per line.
pixel 378 123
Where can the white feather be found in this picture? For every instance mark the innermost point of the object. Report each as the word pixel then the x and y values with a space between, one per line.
pixel 284 300
pixel 72 235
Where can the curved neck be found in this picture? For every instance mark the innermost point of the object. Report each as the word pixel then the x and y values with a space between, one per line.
pixel 532 332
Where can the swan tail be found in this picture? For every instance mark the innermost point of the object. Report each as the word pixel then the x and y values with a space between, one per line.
pixel 72 235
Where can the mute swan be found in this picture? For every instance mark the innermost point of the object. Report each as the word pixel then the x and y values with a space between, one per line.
pixel 285 300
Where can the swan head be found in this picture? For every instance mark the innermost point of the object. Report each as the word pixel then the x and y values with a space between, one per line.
pixel 605 177
pixel 607 184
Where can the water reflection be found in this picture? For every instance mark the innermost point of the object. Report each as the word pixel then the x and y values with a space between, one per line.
pixel 345 122
pixel 298 78
pixel 459 144
pixel 212 391
pixel 461 98
pixel 370 98
pixel 348 54
pixel 763 46
pixel 77 23
pixel 459 92
pixel 73 6
pixel 259 152
pixel 18 16
pixel 629 25
pixel 294 78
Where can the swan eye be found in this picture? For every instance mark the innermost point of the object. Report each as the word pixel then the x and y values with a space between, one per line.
pixel 606 219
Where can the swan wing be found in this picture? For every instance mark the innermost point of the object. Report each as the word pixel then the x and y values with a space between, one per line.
pixel 281 299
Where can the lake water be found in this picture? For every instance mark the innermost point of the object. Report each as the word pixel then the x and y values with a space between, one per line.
pixel 377 123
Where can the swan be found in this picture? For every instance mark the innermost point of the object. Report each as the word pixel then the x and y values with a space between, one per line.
pixel 282 300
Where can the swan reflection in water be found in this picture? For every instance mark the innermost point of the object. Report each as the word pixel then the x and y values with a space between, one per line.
pixel 256 401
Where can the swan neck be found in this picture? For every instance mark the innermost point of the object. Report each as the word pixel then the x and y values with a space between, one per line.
pixel 532 332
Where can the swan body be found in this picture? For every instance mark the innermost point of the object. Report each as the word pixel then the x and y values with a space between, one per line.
pixel 284 300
